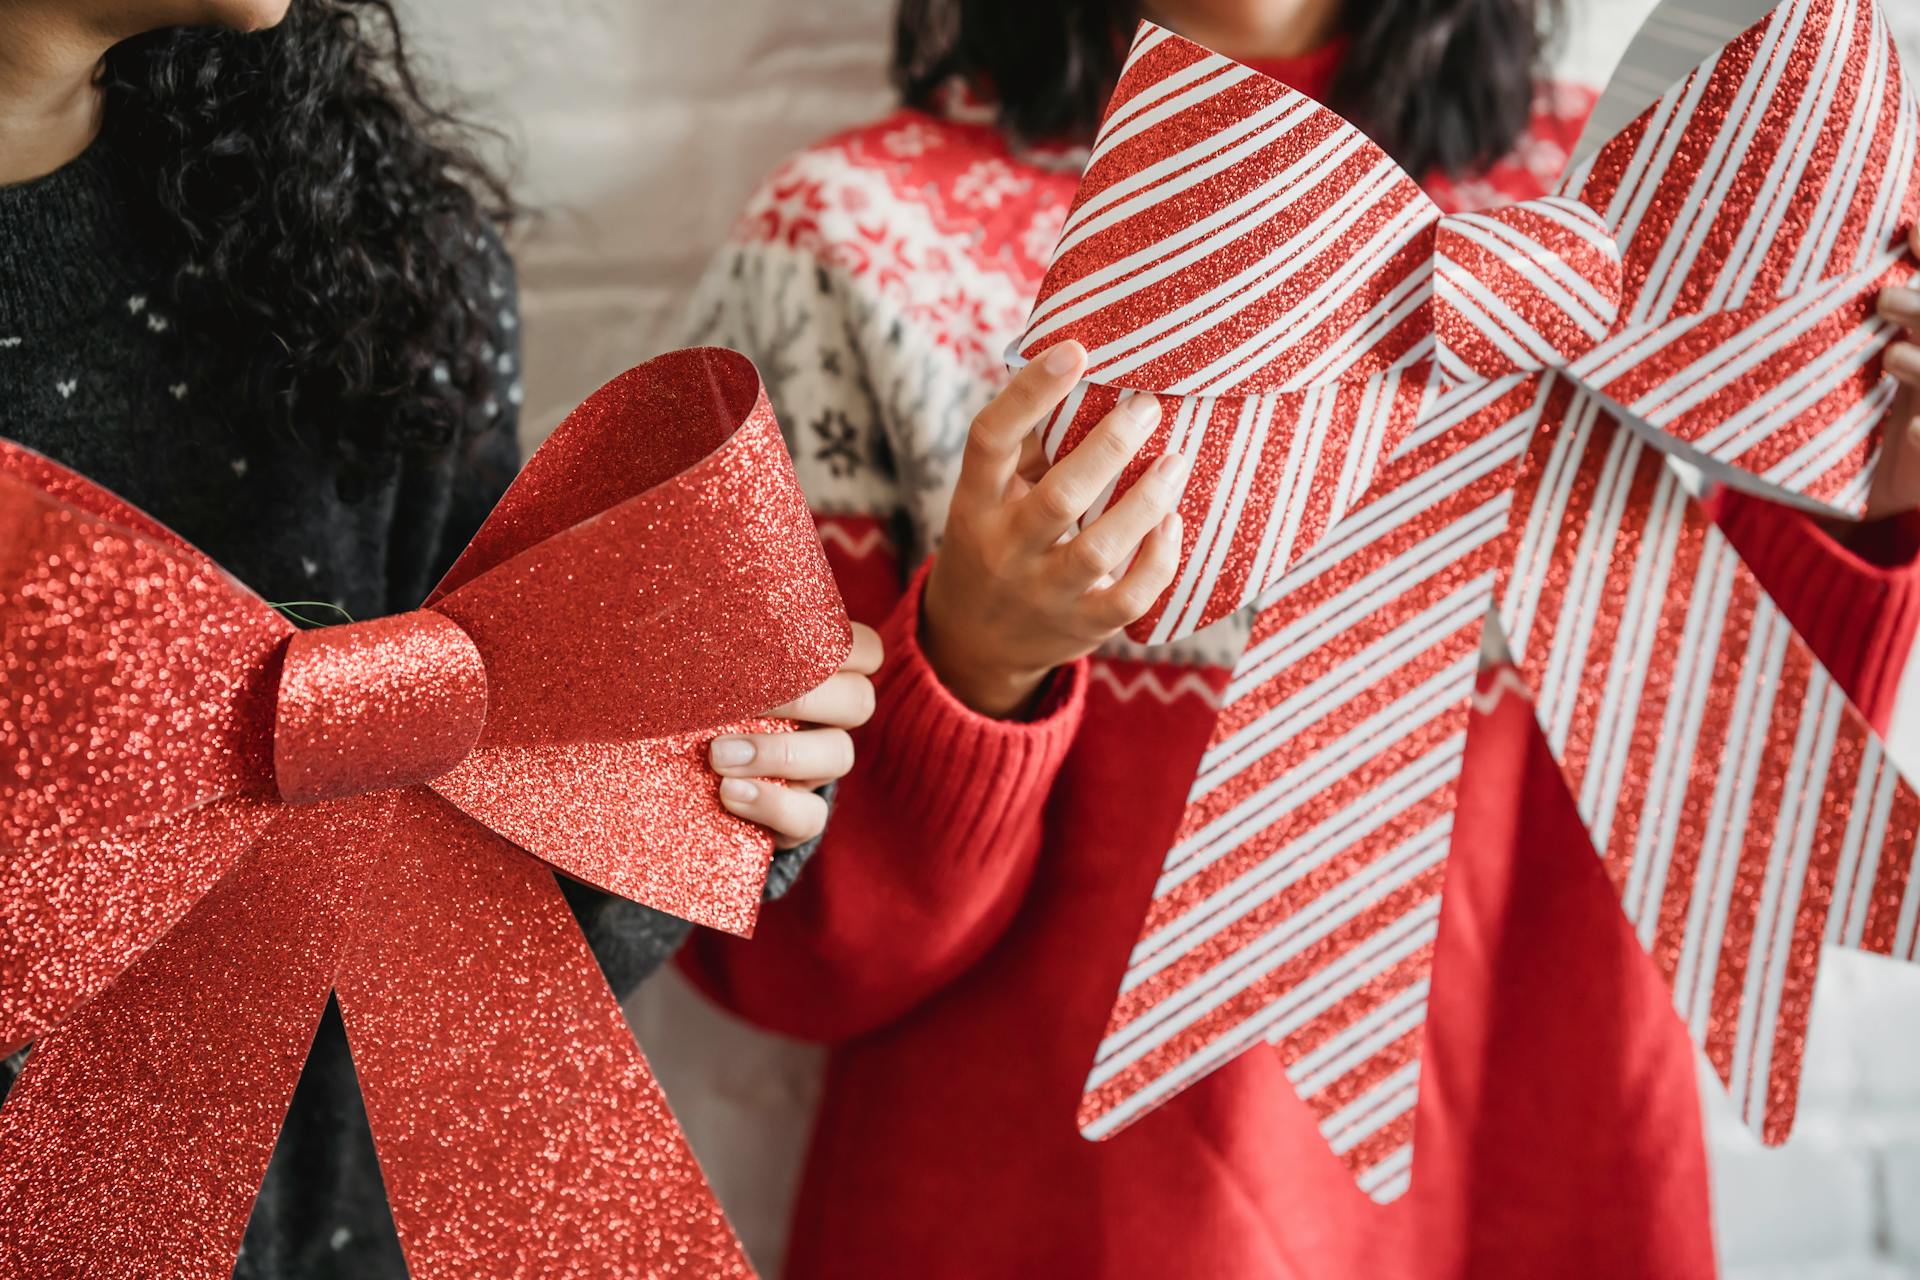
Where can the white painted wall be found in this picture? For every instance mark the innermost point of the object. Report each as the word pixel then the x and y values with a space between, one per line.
pixel 641 125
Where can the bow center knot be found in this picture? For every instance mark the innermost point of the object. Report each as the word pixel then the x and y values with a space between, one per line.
pixel 377 704
pixel 1532 286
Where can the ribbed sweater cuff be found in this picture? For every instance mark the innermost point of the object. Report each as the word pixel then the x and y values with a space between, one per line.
pixel 1857 603
pixel 969 776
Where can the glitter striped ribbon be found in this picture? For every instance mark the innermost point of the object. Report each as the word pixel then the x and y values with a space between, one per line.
pixel 1397 417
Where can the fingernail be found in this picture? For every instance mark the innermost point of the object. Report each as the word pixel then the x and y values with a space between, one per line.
pixel 1903 360
pixel 1170 469
pixel 1171 525
pixel 739 790
pixel 1141 408
pixel 729 752
pixel 1062 358
pixel 1900 304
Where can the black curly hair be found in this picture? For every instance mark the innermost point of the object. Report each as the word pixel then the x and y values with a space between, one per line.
pixel 1442 85
pixel 331 226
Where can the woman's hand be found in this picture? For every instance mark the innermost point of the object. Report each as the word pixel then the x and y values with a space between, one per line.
pixel 1011 595
pixel 804 760
pixel 1896 484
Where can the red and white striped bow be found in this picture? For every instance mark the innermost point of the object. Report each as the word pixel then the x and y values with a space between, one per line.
pixel 1395 419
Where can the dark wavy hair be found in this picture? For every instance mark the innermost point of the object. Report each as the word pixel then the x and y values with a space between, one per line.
pixel 1442 85
pixel 331 226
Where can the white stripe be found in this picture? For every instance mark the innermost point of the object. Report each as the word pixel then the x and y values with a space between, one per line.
pixel 1373 1110
pixel 1056 431
pixel 1191 242
pixel 1370 958
pixel 1216 533
pixel 1230 498
pixel 1160 100
pixel 1528 579
pixel 1714 177
pixel 1805 466
pixel 1328 295
pixel 1289 938
pixel 1389 510
pixel 1865 869
pixel 1561 681
pixel 1391 1178
pixel 1545 269
pixel 1142 190
pixel 1798 141
pixel 1338 834
pixel 1735 786
pixel 1350 678
pixel 1348 1049
pixel 1842 188
pixel 1624 691
pixel 1693 679
pixel 1313 425
pixel 1781 885
pixel 1438 695
pixel 1652 156
pixel 1904 939
pixel 1307 632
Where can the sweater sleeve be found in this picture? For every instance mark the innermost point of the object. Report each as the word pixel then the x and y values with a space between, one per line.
pixel 928 856
pixel 1857 605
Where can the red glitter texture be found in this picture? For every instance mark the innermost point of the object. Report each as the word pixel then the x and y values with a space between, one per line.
pixel 174 926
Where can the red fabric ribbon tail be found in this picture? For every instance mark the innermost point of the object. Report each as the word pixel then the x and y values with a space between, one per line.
pixel 134 1141
pixel 519 1129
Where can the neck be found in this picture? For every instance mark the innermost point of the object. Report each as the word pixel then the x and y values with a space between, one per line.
pixel 1253 32
pixel 50 102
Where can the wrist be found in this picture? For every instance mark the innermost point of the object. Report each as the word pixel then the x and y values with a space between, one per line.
pixel 993 689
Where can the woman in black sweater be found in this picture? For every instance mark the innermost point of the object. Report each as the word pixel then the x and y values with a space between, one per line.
pixel 253 282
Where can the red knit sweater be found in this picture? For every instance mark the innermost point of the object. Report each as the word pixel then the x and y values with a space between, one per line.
pixel 960 937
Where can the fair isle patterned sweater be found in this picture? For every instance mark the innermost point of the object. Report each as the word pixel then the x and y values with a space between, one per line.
pixel 962 934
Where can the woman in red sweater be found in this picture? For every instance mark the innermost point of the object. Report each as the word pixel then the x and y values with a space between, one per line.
pixel 962 934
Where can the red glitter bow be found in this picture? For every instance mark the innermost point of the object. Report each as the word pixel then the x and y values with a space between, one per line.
pixel 210 822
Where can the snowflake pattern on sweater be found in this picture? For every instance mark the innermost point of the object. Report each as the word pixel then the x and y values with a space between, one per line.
pixel 877 278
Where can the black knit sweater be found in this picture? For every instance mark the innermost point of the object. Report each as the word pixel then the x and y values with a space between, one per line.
pixel 95 374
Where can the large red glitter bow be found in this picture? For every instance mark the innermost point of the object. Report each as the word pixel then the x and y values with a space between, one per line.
pixel 1397 418
pixel 211 821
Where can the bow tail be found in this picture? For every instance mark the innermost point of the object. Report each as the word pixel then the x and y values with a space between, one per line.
pixel 1707 749
pixel 71 925
pixel 519 1130
pixel 134 1141
pixel 1300 902
pixel 635 818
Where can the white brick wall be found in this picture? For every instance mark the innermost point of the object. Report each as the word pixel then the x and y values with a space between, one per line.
pixel 641 125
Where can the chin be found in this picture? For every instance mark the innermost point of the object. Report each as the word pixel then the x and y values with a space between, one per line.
pixel 248 15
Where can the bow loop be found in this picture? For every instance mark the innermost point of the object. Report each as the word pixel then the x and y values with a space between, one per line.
pixel 1233 237
pixel 377 704
pixel 1532 286
pixel 118 726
